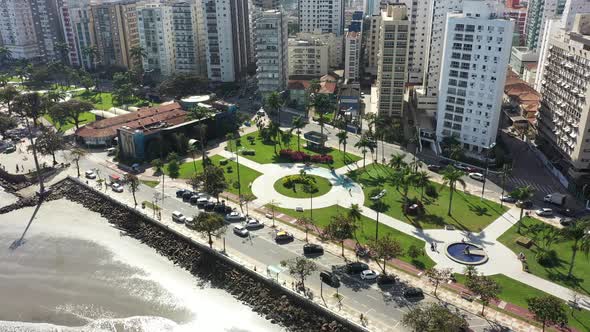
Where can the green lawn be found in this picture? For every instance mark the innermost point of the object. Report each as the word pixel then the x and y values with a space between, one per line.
pixel 322 217
pixel 323 185
pixel 558 272
pixel 150 183
pixel 265 151
pixel 85 117
pixel 104 100
pixel 516 292
pixel 247 175
pixel 468 211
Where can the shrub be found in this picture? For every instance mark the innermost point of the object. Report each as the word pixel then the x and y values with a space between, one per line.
pixel 430 191
pixel 229 169
pixel 223 162
pixel 298 156
pixel 547 258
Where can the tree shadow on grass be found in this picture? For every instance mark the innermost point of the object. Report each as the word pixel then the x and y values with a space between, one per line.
pixel 418 264
pixel 479 210
pixel 571 282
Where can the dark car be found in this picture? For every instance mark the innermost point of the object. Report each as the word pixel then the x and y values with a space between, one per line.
pixel 222 208
pixel 567 212
pixel 413 292
pixel 180 192
pixel 524 204
pixel 187 196
pixel 435 168
pixel 386 279
pixel 209 206
pixel 313 249
pixel 567 221
pixel 283 236
pixel 445 162
pixel 330 279
pixel 356 267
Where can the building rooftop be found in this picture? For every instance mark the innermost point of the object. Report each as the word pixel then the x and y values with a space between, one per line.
pixel 144 119
pixel 326 87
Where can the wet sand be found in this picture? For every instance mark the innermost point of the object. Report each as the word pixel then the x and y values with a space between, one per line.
pixel 75 270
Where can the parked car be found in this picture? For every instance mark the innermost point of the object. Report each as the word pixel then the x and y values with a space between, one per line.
pixel 222 208
pixel 461 167
pixel 201 200
pixel 117 187
pixel 330 278
pixel 476 176
pixel 386 279
pixel 240 230
pixel 507 199
pixel 567 221
pixel 253 223
pixel 283 236
pixel 567 212
pixel 413 292
pixel 445 162
pixel 524 204
pixel 209 206
pixel 189 220
pixel 10 149
pixel 356 267
pixel 435 168
pixel 234 216
pixel 180 192
pixel 178 217
pixel 313 249
pixel 186 197
pixel 369 275
pixel 89 174
pixel 544 212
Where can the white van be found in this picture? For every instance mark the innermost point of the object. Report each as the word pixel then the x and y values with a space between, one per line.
pixel 111 151
pixel 178 217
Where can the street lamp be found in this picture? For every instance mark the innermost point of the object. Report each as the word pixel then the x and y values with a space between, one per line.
pixel 485 175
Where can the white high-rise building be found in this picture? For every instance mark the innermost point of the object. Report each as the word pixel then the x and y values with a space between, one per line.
pixel 392 69
pixel 335 45
pixel 48 30
pixel 185 20
pixel 156 37
pixel 227 39
pixel 323 16
pixel 308 57
pixel 419 30
pixel 563 118
pixel 352 55
pixel 371 7
pixel 271 48
pixel 538 13
pixel 18 29
pixel 475 59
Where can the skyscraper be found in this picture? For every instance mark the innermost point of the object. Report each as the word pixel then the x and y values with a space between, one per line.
pixel 473 71
pixel 47 23
pixel 321 15
pixel 156 37
pixel 78 29
pixel 227 40
pixel 18 29
pixel 271 47
pixel 538 13
pixel 392 70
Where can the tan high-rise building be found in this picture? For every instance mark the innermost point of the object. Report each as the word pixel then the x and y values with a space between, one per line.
pixel 564 116
pixel 392 68
pixel 116 32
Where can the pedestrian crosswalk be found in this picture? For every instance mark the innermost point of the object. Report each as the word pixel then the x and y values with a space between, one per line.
pixel 540 188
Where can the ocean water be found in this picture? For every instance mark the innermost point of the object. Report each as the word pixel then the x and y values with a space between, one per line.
pixel 76 273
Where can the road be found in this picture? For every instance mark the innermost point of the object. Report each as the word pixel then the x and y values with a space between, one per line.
pixel 384 305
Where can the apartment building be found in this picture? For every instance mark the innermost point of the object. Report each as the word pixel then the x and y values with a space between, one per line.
pixel 420 18
pixel 227 39
pixel 475 58
pixel 308 58
pixel 78 29
pixel 48 32
pixel 563 119
pixel 266 4
pixel 186 38
pixel 352 56
pixel 538 13
pixel 392 68
pixel 156 37
pixel 271 48
pixel 335 45
pixel 516 11
pixel 18 30
pixel 372 7
pixel 325 16
pixel 116 32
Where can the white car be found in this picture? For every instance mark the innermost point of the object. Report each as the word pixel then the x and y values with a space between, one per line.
pixel 476 176
pixel 253 223
pixel 369 275
pixel 89 174
pixel 507 199
pixel 241 231
pixel 234 216
pixel 544 212
pixel 261 112
pixel 118 188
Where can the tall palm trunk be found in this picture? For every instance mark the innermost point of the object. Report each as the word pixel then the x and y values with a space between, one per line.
pixel 574 252
pixel 364 158
pixel 452 189
pixel 520 219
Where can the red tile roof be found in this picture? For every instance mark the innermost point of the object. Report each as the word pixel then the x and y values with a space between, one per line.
pixel 326 87
pixel 523 94
pixel 171 114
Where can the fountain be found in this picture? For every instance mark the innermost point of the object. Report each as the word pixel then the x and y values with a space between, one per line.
pixel 466 253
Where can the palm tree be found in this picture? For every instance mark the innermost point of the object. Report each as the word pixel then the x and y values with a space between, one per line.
pixel 91 52
pixel 421 180
pixel 63 49
pixel 275 133
pixel 274 102
pixel 578 233
pixel 452 176
pixel 355 212
pixel 370 118
pixel 522 194
pixel 192 151
pixel 298 124
pixel 5 54
pixel 7 96
pixel 137 53
pixel 306 223
pixel 323 104
pixel 363 143
pixel 342 139
pixel 397 161
pixel 382 123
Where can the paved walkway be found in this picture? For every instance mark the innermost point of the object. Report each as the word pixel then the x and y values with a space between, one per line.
pixel 502 260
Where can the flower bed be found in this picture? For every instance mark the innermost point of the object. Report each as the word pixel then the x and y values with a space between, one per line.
pixel 299 157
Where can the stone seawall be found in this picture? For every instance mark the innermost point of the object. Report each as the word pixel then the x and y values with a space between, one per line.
pixel 263 295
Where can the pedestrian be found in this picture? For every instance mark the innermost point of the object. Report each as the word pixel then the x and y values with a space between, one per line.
pixel 349 191
pixel 362 317
pixel 17 168
pixel 432 246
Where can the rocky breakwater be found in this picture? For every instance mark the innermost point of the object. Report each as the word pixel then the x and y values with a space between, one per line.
pixel 265 297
